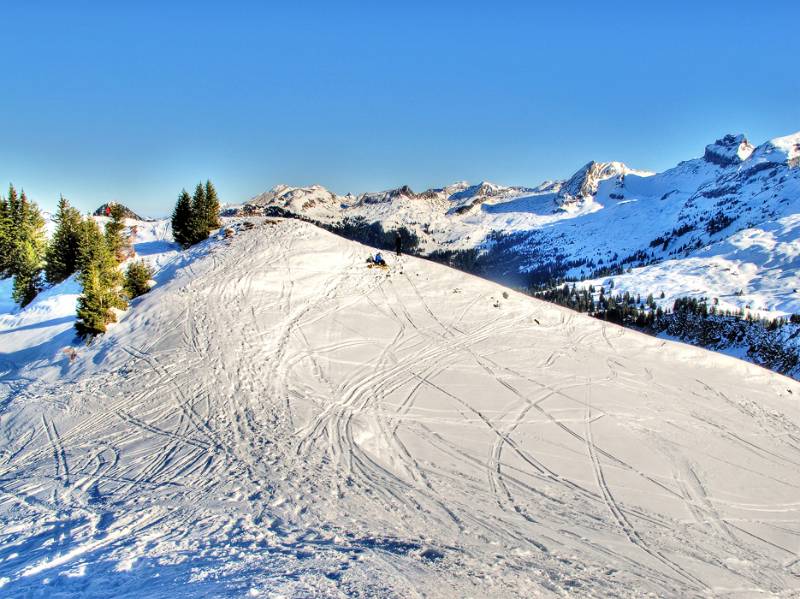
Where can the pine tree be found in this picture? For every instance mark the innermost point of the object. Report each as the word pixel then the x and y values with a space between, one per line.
pixel 28 275
pixel 8 232
pixel 194 218
pixel 93 314
pixel 212 206
pixel 5 232
pixel 27 250
pixel 119 246
pixel 181 216
pixel 137 279
pixel 198 222
pixel 101 281
pixel 62 251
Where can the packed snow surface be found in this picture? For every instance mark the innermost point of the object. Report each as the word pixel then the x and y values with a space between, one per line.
pixel 277 419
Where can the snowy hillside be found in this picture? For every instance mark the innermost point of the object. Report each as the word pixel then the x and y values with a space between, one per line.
pixel 28 335
pixel 276 419
pixel 732 210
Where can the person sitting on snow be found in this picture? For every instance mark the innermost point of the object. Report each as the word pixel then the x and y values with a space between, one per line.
pixel 379 260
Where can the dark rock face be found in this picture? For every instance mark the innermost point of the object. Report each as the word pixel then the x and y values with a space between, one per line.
pixel 387 196
pixel 405 190
pixel 729 150
pixel 430 194
pixel 580 184
pixel 105 208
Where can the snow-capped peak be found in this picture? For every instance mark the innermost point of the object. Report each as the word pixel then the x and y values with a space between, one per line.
pixel 388 195
pixel 780 150
pixel 728 150
pixel 482 189
pixel 295 199
pixel 283 191
pixel 280 188
pixel 584 182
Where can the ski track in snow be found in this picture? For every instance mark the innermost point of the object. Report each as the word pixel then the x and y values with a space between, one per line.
pixel 278 418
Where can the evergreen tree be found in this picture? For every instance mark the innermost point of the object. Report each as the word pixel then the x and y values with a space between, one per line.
pixel 194 218
pixel 198 222
pixel 62 251
pixel 119 246
pixel 212 206
pixel 87 238
pixel 28 275
pixel 8 207
pixel 27 250
pixel 137 279
pixel 5 231
pixel 181 216
pixel 101 281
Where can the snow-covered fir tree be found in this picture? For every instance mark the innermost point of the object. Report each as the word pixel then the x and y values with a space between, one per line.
pixel 212 206
pixel 195 217
pixel 26 248
pixel 137 279
pixel 101 281
pixel 118 243
pixel 62 252
pixel 180 219
pixel 198 222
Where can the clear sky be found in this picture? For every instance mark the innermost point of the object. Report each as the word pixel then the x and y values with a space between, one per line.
pixel 102 101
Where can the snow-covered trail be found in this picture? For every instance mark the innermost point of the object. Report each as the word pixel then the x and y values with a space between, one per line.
pixel 280 418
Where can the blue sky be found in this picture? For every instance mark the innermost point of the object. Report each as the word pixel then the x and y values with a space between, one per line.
pixel 134 102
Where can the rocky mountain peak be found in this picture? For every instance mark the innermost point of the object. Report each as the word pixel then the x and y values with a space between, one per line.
pixel 104 210
pixel 584 182
pixel 728 150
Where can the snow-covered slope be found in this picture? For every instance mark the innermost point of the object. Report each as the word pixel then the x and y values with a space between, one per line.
pixel 758 268
pixel 276 419
pixel 28 335
pixel 605 217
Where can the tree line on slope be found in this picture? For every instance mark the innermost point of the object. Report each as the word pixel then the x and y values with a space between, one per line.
pixel 78 246
pixel 768 342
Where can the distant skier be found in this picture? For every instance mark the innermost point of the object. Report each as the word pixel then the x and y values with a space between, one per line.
pixel 398 243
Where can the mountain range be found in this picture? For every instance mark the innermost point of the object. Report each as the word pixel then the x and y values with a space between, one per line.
pixel 720 225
